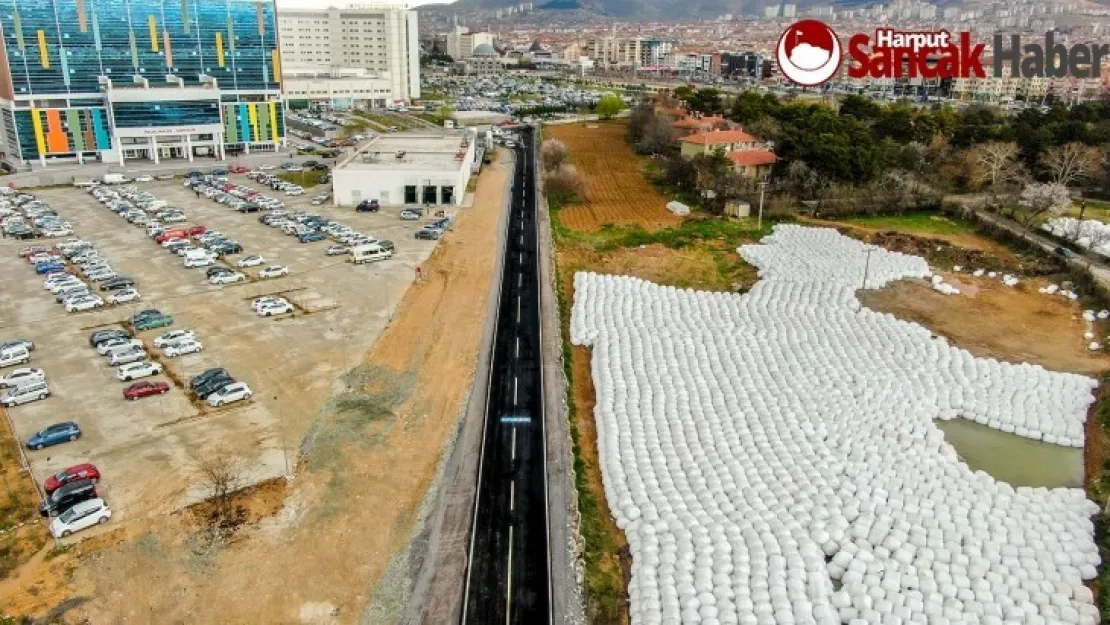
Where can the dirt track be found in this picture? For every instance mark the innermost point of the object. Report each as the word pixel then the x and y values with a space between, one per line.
pixel 366 465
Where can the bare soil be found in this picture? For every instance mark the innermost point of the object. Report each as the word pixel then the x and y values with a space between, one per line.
pixel 617 191
pixel 366 463
pixel 1015 324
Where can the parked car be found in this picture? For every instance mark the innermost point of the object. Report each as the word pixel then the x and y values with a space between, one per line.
pixel 139 390
pixel 67 496
pixel 237 391
pixel 274 271
pixel 136 370
pixel 311 237
pixel 275 308
pixel 81 516
pixel 23 375
pixel 408 215
pixel 172 337
pixel 87 302
pixel 122 357
pixel 123 296
pixel 117 283
pixel 187 346
pixel 227 278
pixel 212 385
pixel 67 431
pixel 84 471
pixel 261 302
pixel 336 250
pixel 368 206
pixel 152 322
pixel 35 390
pixel 119 344
pixel 428 233
pixel 24 343
pixel 14 355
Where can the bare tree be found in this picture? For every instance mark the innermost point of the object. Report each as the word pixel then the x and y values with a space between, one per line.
pixel 993 163
pixel 657 137
pixel 1038 199
pixel 554 154
pixel 564 185
pixel 222 475
pixel 1071 162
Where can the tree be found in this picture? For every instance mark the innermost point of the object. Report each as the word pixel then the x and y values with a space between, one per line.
pixel 1071 162
pixel 802 181
pixel 993 163
pixel 1038 199
pixel 609 105
pixel 658 137
pixel 707 101
pixel 444 112
pixel 554 154
pixel 221 475
pixel 680 173
pixel 638 119
pixel 564 185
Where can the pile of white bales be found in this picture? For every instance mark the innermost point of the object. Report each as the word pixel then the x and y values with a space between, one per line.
pixel 758 449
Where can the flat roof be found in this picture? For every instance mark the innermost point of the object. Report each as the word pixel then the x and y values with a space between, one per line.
pixel 410 151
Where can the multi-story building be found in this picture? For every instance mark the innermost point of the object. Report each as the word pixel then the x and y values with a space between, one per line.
pixel 631 53
pixel 461 42
pixel 381 41
pixel 113 80
pixel 742 65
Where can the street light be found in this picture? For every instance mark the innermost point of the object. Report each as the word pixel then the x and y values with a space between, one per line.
pixel 759 222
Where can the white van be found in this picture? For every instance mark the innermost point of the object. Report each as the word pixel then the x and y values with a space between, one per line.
pixel 15 355
pixel 369 253
pixel 29 392
pixel 199 258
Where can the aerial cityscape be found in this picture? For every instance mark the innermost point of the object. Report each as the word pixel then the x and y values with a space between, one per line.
pixel 569 312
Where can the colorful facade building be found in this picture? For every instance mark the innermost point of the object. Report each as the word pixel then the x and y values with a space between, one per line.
pixel 114 80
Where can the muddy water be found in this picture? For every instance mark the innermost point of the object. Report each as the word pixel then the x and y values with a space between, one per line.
pixel 1015 460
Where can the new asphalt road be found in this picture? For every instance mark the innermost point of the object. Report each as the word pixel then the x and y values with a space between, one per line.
pixel 508 579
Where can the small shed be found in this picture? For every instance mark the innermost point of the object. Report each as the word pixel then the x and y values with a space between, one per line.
pixel 678 208
pixel 737 208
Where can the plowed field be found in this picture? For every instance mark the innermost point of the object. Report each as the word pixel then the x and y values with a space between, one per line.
pixel 617 191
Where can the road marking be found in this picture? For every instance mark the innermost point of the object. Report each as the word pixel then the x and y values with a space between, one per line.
pixel 509 582
pixel 517 356
pixel 514 444
pixel 519 280
pixel 522 239
pixel 520 258
pixel 512 496
pixel 518 309
pixel 515 380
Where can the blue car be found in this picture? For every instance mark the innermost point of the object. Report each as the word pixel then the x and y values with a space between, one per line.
pixel 54 435
pixel 48 267
pixel 309 237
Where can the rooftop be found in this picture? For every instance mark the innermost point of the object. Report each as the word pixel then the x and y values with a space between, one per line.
pixel 718 137
pixel 432 150
pixel 750 158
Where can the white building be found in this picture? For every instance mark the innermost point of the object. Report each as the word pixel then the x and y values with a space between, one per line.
pixel 789 10
pixel 381 40
pixel 407 169
pixel 338 88
pixel 461 42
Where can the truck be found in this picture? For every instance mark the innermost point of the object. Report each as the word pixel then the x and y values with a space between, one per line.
pixel 115 179
pixel 369 253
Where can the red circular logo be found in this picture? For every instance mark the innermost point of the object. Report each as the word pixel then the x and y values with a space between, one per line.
pixel 808 53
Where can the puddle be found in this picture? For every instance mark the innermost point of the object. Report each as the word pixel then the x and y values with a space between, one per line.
pixel 1012 459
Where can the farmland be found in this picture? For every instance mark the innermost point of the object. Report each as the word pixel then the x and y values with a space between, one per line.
pixel 617 192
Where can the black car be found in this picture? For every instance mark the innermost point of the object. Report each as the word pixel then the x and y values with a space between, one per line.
pixel 22 232
pixel 386 245
pixel 212 385
pixel 249 208
pixel 307 164
pixel 216 270
pixel 206 375
pixel 227 248
pixel 368 206
pixel 320 167
pixel 219 172
pixel 67 496
pixel 117 283
pixel 99 336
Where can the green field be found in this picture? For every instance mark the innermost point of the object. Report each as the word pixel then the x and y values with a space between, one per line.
pixel 306 179
pixel 914 223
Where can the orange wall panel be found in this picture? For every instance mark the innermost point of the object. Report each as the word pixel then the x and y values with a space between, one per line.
pixel 56 139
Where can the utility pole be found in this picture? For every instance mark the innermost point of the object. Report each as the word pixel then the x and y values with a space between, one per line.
pixel 759 222
pixel 867 266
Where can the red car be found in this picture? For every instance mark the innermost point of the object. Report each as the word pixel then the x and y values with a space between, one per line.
pixel 238 169
pixel 34 249
pixel 145 389
pixel 177 233
pixel 195 230
pixel 65 476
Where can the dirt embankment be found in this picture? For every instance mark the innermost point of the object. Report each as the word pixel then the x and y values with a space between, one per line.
pixel 366 464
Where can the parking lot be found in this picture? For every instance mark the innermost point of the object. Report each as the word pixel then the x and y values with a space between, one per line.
pixel 147 450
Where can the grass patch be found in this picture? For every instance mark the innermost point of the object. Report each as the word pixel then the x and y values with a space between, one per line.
pixel 22 532
pixel 306 179
pixel 915 223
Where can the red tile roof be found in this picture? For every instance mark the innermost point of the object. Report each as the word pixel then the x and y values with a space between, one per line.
pixel 750 158
pixel 719 136
pixel 700 122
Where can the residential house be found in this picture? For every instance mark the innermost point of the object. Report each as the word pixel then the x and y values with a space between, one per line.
pixel 697 125
pixel 753 163
pixel 748 154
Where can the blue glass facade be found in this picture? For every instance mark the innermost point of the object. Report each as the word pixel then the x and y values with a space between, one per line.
pixel 160 114
pixel 63 46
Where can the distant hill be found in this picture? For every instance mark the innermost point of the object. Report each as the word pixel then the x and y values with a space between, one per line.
pixel 621 9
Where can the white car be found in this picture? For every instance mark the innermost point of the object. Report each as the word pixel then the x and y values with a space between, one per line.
pixel 84 303
pixel 173 337
pixel 173 218
pixel 236 391
pixel 227 278
pixel 262 302
pixel 56 232
pixel 21 376
pixel 117 345
pixel 267 167
pixel 336 250
pixel 144 178
pixel 136 370
pixel 81 516
pixel 187 346
pixel 274 271
pixel 250 261
pixel 124 295
pixel 295 191
pixel 274 308
pixel 172 240
pixel 63 283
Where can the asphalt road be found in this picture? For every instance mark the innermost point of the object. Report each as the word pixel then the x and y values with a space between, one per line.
pixel 508 578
